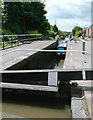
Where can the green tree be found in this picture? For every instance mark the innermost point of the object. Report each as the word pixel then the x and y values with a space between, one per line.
pixel 51 33
pixel 78 33
pixel 51 27
pixel 75 29
pixel 55 28
pixel 13 12
pixel 63 33
pixel 23 17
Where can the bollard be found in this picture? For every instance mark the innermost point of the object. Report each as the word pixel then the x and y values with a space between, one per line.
pixel 83 48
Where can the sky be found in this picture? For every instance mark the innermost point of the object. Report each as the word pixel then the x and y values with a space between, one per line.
pixel 68 13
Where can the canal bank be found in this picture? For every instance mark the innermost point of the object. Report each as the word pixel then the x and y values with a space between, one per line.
pixel 13 56
pixel 81 97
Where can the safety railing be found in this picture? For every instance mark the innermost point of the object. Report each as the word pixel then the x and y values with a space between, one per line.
pixel 7 41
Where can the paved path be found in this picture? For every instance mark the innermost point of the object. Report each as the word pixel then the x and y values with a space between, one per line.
pixel 75 59
pixel 11 58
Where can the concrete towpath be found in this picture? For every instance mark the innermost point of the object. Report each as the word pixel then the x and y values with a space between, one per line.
pixel 75 59
pixel 87 86
pixel 12 56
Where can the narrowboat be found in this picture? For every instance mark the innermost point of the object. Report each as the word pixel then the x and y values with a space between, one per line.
pixel 62 46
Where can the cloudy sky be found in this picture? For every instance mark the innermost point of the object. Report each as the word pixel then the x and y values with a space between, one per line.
pixel 69 13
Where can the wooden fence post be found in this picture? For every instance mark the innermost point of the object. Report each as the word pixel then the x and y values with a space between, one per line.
pixel 11 40
pixel 18 40
pixel 3 42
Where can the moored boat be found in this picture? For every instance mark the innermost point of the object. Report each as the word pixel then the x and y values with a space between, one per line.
pixel 62 46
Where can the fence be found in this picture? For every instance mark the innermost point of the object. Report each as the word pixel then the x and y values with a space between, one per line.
pixel 7 41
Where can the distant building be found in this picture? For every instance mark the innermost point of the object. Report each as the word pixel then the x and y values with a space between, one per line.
pixel 88 31
pixel 85 31
pixel 92 30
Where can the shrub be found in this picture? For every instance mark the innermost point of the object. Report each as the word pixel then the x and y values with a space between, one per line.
pixel 51 38
pixel 6 32
pixel 51 33
pixel 61 37
pixel 36 32
pixel 33 32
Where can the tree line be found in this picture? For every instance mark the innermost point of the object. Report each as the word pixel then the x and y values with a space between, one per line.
pixel 24 17
pixel 29 18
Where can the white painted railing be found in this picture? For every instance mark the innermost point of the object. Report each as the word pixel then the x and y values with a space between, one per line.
pixel 56 51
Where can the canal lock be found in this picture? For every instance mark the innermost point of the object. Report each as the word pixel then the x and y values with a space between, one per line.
pixel 40 61
pixel 43 61
pixel 48 99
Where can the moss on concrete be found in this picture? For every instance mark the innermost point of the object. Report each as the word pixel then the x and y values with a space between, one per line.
pixel 84 103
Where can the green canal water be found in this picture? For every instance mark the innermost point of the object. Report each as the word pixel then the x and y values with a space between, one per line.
pixel 28 104
pixel 36 106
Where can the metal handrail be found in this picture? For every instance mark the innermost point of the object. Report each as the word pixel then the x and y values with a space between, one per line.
pixel 44 70
pixel 18 39
pixel 21 35
pixel 45 51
